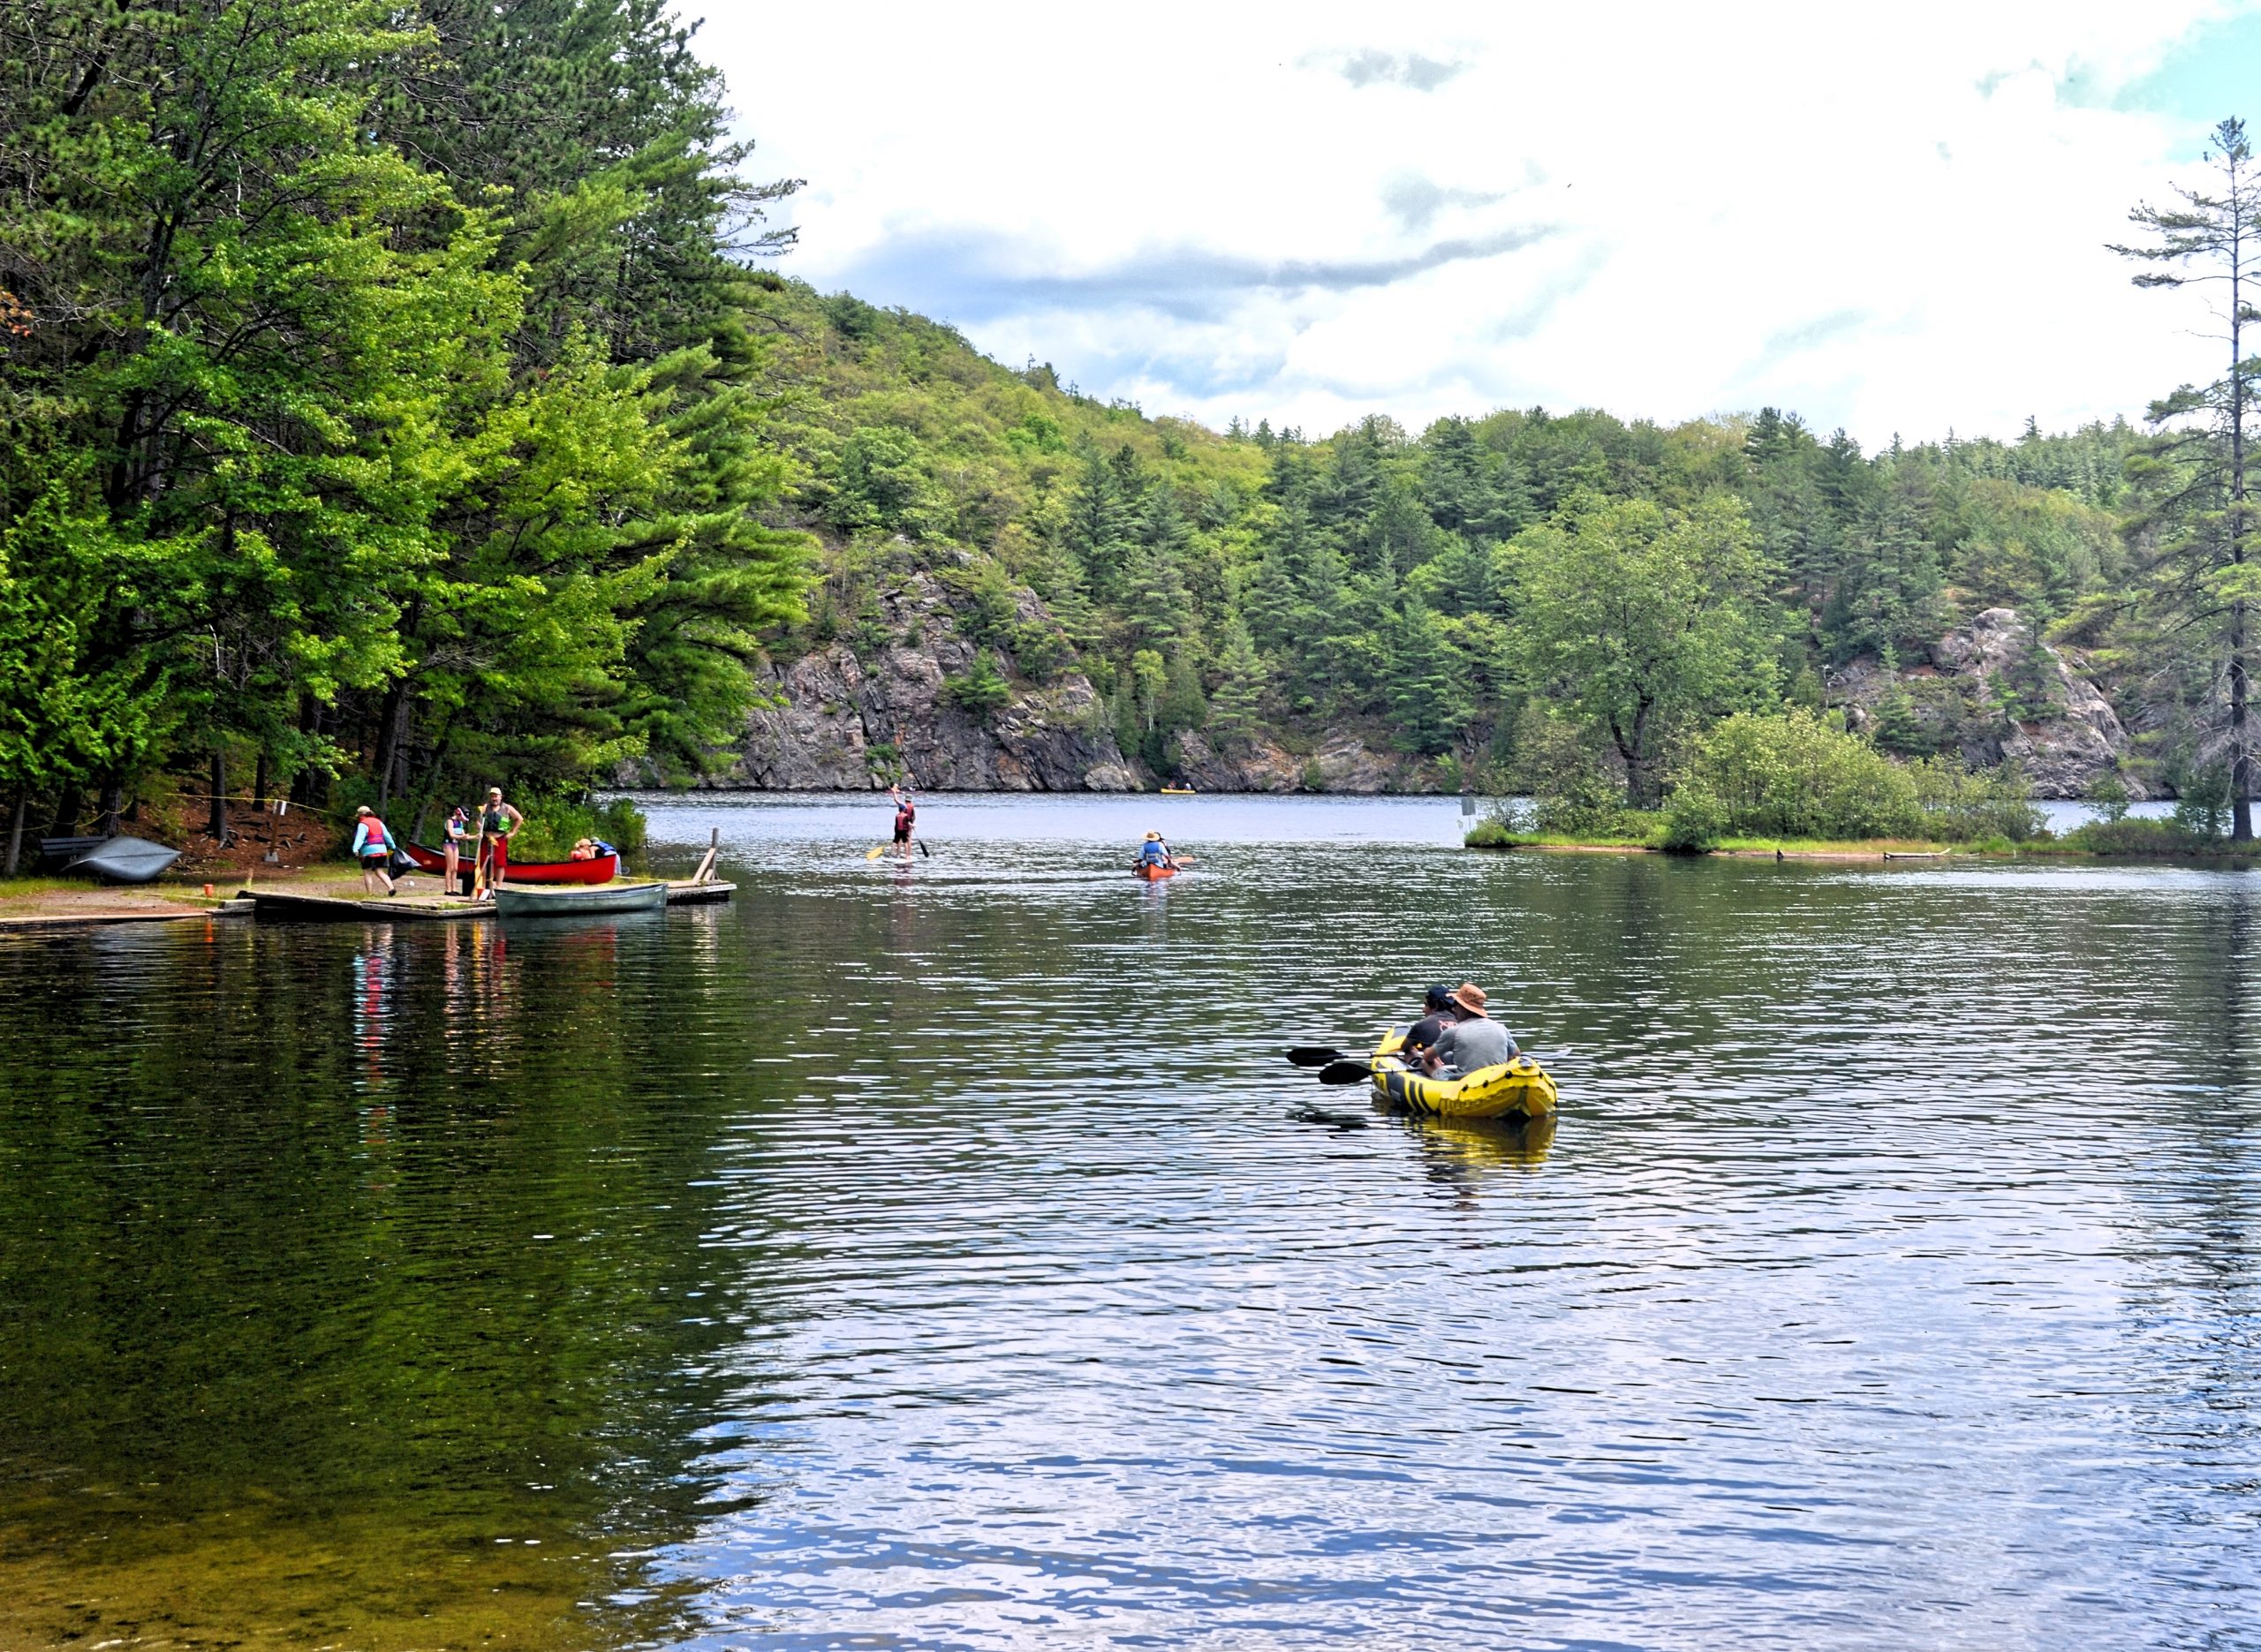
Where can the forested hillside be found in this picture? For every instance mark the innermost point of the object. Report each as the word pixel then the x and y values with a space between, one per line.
pixel 1487 594
pixel 376 404
pixel 395 400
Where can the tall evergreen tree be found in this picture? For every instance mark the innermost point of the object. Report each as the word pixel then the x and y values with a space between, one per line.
pixel 2196 499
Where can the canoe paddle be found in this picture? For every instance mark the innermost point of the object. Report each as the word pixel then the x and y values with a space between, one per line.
pixel 1316 1054
pixel 1346 1073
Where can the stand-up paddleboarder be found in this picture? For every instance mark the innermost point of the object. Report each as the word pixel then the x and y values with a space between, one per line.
pixel 906 816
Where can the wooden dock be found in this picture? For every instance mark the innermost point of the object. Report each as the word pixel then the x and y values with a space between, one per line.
pixel 691 892
pixel 425 908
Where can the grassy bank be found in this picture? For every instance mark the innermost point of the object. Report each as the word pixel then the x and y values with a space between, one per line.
pixel 2123 839
pixel 1494 834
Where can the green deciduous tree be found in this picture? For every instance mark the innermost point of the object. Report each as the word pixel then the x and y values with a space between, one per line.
pixel 1644 620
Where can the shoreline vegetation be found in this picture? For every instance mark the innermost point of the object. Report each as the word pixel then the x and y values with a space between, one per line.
pixel 443 427
pixel 1796 784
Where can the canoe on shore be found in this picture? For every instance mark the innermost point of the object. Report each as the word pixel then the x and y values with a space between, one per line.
pixel 603 869
pixel 1518 1089
pixel 514 899
pixel 124 860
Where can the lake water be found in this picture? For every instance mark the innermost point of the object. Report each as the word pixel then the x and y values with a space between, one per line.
pixel 940 1256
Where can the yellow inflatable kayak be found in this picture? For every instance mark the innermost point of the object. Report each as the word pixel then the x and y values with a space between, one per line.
pixel 1518 1088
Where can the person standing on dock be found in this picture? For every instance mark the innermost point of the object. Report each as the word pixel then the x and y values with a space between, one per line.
pixel 458 828
pixel 906 816
pixel 496 822
pixel 373 847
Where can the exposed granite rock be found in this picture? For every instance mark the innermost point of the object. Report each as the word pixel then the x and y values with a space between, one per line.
pixel 1954 694
pixel 1261 767
pixel 851 723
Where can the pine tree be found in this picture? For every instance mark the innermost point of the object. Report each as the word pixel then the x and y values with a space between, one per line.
pixel 1236 709
pixel 2198 500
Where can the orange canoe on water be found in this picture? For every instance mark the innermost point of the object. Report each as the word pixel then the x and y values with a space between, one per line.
pixel 1152 872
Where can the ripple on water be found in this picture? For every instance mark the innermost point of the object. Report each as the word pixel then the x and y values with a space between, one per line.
pixel 940 1256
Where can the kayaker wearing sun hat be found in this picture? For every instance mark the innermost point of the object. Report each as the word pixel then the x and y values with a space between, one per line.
pixel 1473 1041
pixel 1155 852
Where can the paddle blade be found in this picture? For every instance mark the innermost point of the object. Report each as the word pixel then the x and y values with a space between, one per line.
pixel 1314 1055
pixel 923 850
pixel 875 854
pixel 1345 1072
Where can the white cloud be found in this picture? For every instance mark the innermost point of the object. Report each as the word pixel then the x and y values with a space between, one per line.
pixel 1892 221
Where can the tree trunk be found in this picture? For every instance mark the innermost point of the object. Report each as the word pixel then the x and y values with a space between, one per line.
pixel 2240 758
pixel 258 780
pixel 113 802
pixel 15 832
pixel 388 753
pixel 217 825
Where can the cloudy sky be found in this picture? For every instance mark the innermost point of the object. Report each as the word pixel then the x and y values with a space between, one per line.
pixel 1888 218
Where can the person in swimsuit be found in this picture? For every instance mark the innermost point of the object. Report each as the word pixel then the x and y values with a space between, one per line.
pixel 496 822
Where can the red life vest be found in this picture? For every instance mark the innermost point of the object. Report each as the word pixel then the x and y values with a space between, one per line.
pixel 376 840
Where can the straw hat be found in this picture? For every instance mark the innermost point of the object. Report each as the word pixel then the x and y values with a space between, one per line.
pixel 364 810
pixel 1470 997
pixel 1153 837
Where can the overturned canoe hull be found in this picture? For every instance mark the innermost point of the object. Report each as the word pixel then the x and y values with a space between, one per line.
pixel 124 860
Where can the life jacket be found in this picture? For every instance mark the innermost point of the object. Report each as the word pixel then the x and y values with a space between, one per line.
pixel 376 840
pixel 906 814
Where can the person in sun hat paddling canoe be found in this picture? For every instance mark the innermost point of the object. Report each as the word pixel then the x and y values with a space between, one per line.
pixel 1473 1041
pixel 1154 851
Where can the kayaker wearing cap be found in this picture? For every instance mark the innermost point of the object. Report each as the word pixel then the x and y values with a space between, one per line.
pixel 1473 1041
pixel 373 847
pixel 1153 852
pixel 1439 1012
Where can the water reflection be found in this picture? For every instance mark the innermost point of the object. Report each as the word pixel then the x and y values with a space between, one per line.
pixel 939 1254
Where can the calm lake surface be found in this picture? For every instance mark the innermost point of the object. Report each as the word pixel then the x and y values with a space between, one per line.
pixel 940 1256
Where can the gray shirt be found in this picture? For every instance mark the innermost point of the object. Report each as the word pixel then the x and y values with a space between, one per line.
pixel 1477 1042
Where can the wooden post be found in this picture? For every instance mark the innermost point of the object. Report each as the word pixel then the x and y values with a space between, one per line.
pixel 707 862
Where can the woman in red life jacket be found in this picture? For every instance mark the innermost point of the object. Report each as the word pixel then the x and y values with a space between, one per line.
pixel 373 847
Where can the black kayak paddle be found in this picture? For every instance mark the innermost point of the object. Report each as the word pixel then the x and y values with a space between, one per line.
pixel 1316 1055
pixel 1346 1072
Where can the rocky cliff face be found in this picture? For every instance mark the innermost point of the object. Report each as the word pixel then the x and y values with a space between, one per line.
pixel 857 720
pixel 1955 698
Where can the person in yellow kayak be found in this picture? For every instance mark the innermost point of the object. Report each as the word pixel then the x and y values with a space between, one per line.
pixel 1155 852
pixel 1438 1012
pixel 1473 1041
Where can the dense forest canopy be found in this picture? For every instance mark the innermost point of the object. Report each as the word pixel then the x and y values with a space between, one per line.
pixel 397 399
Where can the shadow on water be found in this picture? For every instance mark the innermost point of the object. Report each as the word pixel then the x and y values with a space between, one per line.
pixel 939 1254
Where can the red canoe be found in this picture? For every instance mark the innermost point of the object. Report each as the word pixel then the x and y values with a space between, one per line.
pixel 603 869
pixel 1151 872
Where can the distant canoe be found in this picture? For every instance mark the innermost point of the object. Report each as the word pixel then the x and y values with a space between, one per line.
pixel 125 860
pixel 1178 791
pixel 603 869
pixel 515 900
